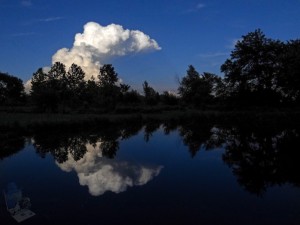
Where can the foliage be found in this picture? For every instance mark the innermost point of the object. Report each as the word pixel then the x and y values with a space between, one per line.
pixel 169 98
pixel 289 77
pixel 11 90
pixel 151 96
pixel 57 88
pixel 197 89
pixel 261 71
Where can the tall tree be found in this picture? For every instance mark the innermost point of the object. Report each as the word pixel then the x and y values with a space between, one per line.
pixel 151 96
pixel 197 89
pixel 75 84
pixel 109 90
pixel 107 75
pixel 252 68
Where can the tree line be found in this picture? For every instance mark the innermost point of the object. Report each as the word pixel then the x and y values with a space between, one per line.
pixel 259 72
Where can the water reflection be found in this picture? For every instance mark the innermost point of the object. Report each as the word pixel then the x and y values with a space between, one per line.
pixel 199 136
pixel 101 174
pixel 92 158
pixel 259 156
pixel 261 159
pixel 10 143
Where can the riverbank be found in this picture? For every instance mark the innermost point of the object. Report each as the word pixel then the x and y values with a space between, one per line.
pixel 35 120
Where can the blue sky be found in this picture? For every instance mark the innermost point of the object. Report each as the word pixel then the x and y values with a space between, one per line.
pixel 201 33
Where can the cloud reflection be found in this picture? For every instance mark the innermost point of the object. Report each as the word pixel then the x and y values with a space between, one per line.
pixel 101 174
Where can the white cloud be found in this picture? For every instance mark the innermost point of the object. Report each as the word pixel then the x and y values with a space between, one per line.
pixel 50 19
pixel 98 43
pixel 100 174
pixel 195 8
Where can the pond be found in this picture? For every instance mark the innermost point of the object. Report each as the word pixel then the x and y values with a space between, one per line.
pixel 156 173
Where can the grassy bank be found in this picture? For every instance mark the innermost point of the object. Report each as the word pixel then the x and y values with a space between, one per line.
pixel 30 121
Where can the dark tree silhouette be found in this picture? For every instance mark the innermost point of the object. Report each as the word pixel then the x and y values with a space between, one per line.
pixel 57 88
pixel 197 89
pixel 252 70
pixel 11 90
pixel 109 90
pixel 289 77
pixel 169 98
pixel 151 96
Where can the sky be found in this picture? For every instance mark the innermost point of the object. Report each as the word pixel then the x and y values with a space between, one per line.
pixel 153 40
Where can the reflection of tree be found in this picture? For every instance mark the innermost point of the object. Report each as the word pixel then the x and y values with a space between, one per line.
pixel 261 158
pixel 169 126
pixel 10 143
pixel 109 148
pixel 130 129
pixel 63 145
pixel 77 147
pixel 60 145
pixel 150 128
pixel 197 136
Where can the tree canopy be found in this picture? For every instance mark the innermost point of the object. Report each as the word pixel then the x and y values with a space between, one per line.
pixel 11 89
pixel 261 70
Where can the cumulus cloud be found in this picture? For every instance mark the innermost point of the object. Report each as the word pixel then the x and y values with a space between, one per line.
pixel 98 43
pixel 100 174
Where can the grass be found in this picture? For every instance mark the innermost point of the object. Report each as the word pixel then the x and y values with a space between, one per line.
pixel 32 120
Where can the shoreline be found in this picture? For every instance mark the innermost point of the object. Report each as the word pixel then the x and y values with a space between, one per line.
pixel 38 120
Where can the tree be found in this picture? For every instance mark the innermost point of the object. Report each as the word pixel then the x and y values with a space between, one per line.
pixel 107 76
pixel 90 93
pixel 109 91
pixel 57 89
pixel 124 88
pixel 11 89
pixel 197 89
pixel 75 83
pixel 39 89
pixel 151 96
pixel 289 77
pixel 169 98
pixel 252 69
pixel 75 77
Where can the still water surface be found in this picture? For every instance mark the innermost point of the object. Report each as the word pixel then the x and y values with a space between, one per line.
pixel 158 174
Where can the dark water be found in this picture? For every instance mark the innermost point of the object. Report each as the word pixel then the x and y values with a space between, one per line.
pixel 157 174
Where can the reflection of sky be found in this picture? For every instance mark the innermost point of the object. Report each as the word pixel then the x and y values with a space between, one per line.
pixel 101 174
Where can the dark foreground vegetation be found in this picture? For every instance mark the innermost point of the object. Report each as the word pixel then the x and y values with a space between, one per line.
pixel 260 73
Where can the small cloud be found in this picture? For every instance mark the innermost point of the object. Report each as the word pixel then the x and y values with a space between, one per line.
pixel 26 3
pixel 194 9
pixel 42 20
pixel 50 19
